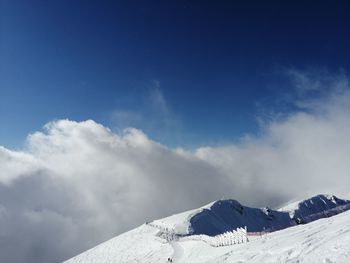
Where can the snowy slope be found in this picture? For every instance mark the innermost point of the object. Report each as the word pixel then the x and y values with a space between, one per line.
pixel 139 245
pixel 324 240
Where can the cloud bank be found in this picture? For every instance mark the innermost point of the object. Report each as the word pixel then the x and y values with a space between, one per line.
pixel 78 183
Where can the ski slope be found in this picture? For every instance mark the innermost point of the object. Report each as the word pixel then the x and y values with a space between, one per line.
pixel 324 240
pixel 139 245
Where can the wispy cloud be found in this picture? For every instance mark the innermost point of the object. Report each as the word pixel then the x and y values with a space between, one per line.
pixel 313 90
pixel 157 100
pixel 155 115
pixel 317 83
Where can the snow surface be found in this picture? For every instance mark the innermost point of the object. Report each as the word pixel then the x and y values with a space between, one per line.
pixel 324 240
pixel 139 245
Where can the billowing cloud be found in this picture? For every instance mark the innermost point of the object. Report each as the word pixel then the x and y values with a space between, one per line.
pixel 78 183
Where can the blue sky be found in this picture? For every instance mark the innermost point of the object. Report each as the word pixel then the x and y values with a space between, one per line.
pixel 188 73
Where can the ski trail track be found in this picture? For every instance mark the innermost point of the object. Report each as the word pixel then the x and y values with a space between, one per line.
pixel 178 251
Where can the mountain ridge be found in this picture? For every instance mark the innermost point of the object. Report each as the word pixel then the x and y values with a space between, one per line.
pixel 226 215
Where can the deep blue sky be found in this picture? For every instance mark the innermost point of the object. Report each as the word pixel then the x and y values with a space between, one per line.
pixel 186 72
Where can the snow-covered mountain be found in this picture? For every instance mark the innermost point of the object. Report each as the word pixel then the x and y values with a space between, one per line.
pixel 226 215
pixel 325 240
pixel 315 207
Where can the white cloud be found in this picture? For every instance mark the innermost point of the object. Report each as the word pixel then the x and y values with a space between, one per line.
pixel 16 164
pixel 78 183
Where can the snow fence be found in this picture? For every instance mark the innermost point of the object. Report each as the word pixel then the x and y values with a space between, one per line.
pixel 228 238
